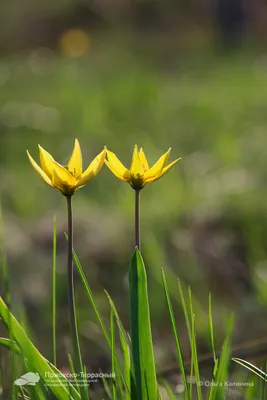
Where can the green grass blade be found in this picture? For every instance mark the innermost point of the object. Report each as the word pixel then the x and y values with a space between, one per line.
pixel 142 346
pixel 211 333
pixel 6 290
pixel 251 367
pixel 169 391
pixel 22 395
pixel 194 346
pixel 10 344
pixel 184 307
pixel 263 384
pixel 222 370
pixel 35 360
pixel 7 344
pixel 85 382
pixel 54 296
pixel 107 388
pixel 97 313
pixel 112 336
pixel 73 372
pixel 189 331
pixel 91 297
pixel 212 391
pixel 176 338
pixel 125 345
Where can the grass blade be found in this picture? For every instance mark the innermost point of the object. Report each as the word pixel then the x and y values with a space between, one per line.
pixel 35 360
pixel 97 313
pixel 222 370
pixel 212 391
pixel 189 331
pixel 194 346
pixel 112 336
pixel 211 333
pixel 73 372
pixel 177 342
pixel 54 296
pixel 251 367
pixel 125 345
pixel 10 344
pixel 142 346
pixel 107 388
pixel 7 295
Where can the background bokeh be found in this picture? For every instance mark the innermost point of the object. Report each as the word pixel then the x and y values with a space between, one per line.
pixel 191 75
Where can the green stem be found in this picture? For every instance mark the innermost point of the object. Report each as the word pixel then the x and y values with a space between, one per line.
pixel 78 364
pixel 137 219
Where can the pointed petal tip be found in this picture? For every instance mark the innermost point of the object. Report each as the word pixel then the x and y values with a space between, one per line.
pixel 28 154
pixel 75 161
pixel 76 142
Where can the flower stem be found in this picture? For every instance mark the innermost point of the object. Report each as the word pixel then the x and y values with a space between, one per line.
pixel 72 312
pixel 137 219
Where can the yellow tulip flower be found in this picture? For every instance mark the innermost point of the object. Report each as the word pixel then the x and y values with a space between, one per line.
pixel 139 173
pixel 70 178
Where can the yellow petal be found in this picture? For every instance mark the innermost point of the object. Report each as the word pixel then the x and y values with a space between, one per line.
pixel 157 167
pixel 75 162
pixel 60 185
pixel 63 180
pixel 98 162
pixel 46 161
pixel 42 174
pixel 92 170
pixel 124 177
pixel 84 180
pixel 117 167
pixel 164 171
pixel 143 159
pixel 136 169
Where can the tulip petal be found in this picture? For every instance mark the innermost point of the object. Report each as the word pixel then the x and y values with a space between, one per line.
pixel 60 185
pixel 143 159
pixel 117 167
pixel 63 180
pixel 84 180
pixel 115 172
pixel 157 168
pixel 75 162
pixel 97 163
pixel 46 161
pixel 164 171
pixel 137 169
pixel 39 170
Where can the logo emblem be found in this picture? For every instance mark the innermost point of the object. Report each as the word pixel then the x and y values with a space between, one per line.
pixel 30 378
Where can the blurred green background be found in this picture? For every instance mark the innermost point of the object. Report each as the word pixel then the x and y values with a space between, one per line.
pixel 190 75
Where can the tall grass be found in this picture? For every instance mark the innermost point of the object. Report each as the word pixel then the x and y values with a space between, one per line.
pixel 132 360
